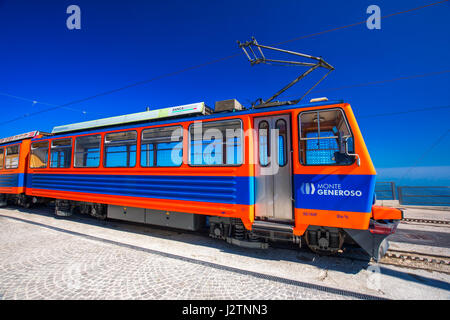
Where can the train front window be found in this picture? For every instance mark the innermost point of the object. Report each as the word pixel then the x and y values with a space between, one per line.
pixel 162 147
pixel 12 157
pixel 87 151
pixel 323 138
pixel 120 149
pixel 61 153
pixel 2 156
pixel 39 155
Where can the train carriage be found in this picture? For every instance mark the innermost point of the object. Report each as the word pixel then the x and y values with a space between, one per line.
pixel 13 167
pixel 281 173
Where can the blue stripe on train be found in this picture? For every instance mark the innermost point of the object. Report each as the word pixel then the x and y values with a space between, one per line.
pixel 13 180
pixel 353 193
pixel 233 190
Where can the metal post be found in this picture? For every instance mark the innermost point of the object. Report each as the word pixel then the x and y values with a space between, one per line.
pixel 393 190
pixel 400 195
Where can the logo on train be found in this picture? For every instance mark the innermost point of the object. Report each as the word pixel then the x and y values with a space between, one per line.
pixel 327 189
pixel 308 188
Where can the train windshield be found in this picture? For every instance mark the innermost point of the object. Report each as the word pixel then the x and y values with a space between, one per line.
pixel 323 138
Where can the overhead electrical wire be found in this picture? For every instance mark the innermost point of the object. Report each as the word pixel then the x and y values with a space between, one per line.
pixel 363 84
pixel 55 107
pixel 402 112
pixel 36 102
pixel 426 152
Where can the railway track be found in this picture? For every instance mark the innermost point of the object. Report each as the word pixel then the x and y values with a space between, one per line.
pixel 426 221
pixel 417 260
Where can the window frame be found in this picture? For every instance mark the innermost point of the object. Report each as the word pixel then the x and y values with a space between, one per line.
pixel 285 138
pixel 155 150
pixel 268 144
pixel 71 149
pixel 48 154
pixel 74 151
pixel 333 137
pixel 18 153
pixel 2 164
pixel 103 161
pixel 242 137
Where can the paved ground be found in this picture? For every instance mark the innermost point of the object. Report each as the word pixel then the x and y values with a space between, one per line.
pixel 43 257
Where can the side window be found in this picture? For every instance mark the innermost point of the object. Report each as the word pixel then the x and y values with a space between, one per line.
pixel 264 143
pixel 322 136
pixel 2 157
pixel 216 143
pixel 87 151
pixel 61 153
pixel 39 155
pixel 282 140
pixel 120 149
pixel 162 147
pixel 12 157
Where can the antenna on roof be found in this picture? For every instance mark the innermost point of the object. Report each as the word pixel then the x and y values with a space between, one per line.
pixel 256 56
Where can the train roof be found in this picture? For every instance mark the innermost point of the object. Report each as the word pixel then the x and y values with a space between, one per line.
pixel 177 111
pixel 137 121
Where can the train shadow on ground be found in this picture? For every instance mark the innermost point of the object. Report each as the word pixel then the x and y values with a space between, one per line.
pixel 352 261
pixel 276 251
pixel 415 278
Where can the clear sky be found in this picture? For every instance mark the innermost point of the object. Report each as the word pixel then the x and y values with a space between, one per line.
pixel 123 42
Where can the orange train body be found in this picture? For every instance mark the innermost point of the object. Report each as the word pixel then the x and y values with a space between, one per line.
pixel 336 196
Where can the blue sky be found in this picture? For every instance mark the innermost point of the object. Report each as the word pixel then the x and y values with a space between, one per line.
pixel 123 42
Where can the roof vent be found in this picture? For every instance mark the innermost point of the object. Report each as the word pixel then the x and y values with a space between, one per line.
pixel 318 99
pixel 227 105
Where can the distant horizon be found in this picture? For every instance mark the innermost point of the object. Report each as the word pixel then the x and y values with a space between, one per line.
pixel 425 176
pixel 126 56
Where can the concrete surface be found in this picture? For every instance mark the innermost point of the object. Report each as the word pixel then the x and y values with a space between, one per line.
pixel 43 257
pixel 426 213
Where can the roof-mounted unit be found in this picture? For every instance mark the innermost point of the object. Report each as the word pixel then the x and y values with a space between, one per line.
pixel 227 105
pixel 184 110
pixel 318 99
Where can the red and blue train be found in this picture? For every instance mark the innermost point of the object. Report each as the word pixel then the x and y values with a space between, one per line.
pixel 298 173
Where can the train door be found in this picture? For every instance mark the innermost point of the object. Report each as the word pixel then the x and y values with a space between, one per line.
pixel 273 168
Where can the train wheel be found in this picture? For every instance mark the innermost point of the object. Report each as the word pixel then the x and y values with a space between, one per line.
pixel 24 201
